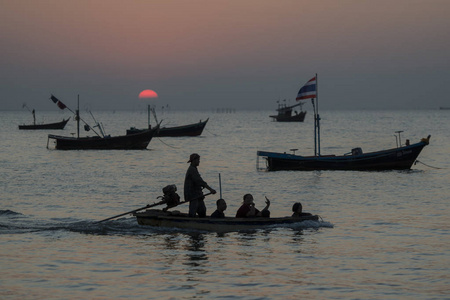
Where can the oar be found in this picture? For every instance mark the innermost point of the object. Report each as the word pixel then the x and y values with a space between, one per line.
pixel 148 206
pixel 133 211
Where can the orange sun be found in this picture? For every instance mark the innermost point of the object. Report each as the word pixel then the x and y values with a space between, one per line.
pixel 146 94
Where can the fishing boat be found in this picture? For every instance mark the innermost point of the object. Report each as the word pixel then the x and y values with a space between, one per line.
pixel 400 158
pixel 175 219
pixel 194 129
pixel 57 125
pixel 136 141
pixel 34 126
pixel 285 113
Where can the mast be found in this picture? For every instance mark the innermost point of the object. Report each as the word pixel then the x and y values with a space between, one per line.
pixel 148 112
pixel 284 106
pixel 318 117
pixel 316 120
pixel 315 127
pixel 78 117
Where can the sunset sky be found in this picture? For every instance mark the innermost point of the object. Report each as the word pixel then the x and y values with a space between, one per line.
pixel 207 54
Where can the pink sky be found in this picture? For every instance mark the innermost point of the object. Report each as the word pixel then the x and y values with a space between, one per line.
pixel 209 54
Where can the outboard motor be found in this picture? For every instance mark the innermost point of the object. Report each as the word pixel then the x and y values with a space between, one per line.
pixel 170 197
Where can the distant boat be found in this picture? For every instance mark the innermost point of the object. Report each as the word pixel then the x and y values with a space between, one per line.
pixel 285 113
pixel 400 158
pixel 194 129
pixel 57 125
pixel 444 108
pixel 135 141
pixel 34 126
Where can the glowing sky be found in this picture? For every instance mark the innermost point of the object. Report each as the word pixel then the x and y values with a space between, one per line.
pixel 244 54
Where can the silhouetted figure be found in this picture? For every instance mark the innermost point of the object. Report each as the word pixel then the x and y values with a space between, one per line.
pixel 193 185
pixel 248 209
pixel 298 211
pixel 221 207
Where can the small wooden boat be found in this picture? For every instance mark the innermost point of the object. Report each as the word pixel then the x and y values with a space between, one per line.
pixel 34 126
pixel 285 113
pixel 135 141
pixel 400 158
pixel 57 125
pixel 194 129
pixel 159 218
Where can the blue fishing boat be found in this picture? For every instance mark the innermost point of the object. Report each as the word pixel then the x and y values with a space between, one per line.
pixel 400 158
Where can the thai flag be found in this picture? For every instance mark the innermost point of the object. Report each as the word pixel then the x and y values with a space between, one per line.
pixel 57 102
pixel 308 91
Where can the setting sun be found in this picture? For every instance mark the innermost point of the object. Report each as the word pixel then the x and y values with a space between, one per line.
pixel 145 94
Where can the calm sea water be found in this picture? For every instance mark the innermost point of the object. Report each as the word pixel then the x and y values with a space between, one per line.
pixel 384 235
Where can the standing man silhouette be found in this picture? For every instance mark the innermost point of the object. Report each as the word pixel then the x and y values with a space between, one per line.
pixel 193 185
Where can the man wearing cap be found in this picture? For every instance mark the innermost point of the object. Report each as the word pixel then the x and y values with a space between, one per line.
pixel 193 185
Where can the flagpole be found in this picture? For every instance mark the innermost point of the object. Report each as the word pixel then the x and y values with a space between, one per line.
pixel 315 127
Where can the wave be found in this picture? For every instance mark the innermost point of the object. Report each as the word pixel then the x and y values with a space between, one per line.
pixel 8 212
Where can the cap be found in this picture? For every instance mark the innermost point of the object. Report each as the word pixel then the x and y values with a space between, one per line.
pixel 193 157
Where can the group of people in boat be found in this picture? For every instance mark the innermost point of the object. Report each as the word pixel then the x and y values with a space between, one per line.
pixel 194 184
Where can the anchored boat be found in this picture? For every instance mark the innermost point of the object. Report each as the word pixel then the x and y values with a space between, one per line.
pixel 285 113
pixel 34 126
pixel 400 158
pixel 136 141
pixel 194 129
pixel 56 125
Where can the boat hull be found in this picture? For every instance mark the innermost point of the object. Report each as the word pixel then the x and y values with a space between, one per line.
pixel 300 117
pixel 57 125
pixel 401 158
pixel 195 129
pixel 136 141
pixel 158 218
